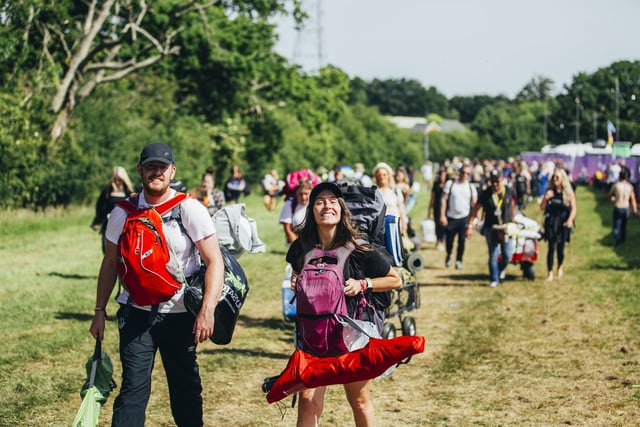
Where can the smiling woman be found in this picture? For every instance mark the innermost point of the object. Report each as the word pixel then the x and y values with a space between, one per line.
pixel 329 242
pixel 326 210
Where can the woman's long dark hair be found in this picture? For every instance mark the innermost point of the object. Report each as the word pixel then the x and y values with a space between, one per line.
pixel 346 232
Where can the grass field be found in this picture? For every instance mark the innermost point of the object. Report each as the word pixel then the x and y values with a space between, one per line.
pixel 526 353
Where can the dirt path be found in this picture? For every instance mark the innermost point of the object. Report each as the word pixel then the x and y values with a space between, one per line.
pixel 528 352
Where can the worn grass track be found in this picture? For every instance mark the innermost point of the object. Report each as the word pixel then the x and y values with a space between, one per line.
pixel 527 353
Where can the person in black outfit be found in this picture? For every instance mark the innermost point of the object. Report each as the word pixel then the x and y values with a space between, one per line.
pixel 559 207
pixel 522 183
pixel 435 203
pixel 236 186
pixel 118 188
pixel 497 203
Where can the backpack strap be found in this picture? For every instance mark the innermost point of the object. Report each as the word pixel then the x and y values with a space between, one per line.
pixel 130 204
pixel 165 207
pixel 342 254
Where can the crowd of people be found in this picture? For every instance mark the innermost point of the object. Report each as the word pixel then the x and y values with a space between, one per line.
pixel 459 197
pixel 464 196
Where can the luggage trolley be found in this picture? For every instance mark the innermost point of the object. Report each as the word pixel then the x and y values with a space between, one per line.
pixel 526 245
pixel 407 297
pixel 403 300
pixel 525 251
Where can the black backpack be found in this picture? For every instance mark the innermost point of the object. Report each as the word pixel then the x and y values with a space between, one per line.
pixel 368 212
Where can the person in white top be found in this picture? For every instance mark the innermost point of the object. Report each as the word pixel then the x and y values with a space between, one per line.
pixel 294 210
pixel 427 174
pixel 168 327
pixel 272 186
pixel 393 198
pixel 396 221
pixel 458 197
pixel 613 173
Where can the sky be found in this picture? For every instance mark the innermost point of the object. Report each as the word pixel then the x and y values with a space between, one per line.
pixel 466 47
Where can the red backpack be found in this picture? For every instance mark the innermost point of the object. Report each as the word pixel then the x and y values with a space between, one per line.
pixel 144 255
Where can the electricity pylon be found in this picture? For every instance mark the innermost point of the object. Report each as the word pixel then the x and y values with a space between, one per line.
pixel 308 50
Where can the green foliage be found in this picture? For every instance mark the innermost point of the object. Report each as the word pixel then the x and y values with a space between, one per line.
pixel 593 99
pixel 436 118
pixel 35 174
pixel 402 97
pixel 468 107
pixel 220 95
pixel 539 88
pixel 511 128
pixel 463 144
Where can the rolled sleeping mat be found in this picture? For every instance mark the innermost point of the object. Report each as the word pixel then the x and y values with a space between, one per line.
pixel 414 263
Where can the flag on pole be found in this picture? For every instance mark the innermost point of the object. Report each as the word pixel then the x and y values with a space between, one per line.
pixel 611 129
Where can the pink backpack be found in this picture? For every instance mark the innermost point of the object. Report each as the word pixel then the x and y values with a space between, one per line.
pixel 320 301
pixel 295 176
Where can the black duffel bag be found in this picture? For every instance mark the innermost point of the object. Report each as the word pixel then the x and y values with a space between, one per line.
pixel 234 293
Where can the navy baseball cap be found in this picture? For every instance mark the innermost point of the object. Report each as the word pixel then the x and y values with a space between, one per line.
pixel 156 152
pixel 330 186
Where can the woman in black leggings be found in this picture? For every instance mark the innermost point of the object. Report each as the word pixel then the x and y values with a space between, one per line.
pixel 559 207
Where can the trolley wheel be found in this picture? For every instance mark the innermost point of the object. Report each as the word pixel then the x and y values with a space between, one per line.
pixel 528 269
pixel 409 326
pixel 388 331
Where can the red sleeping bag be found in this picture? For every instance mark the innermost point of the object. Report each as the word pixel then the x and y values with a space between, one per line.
pixel 307 371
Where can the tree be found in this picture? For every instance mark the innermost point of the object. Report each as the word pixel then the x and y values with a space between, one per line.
pixel 72 47
pixel 611 93
pixel 512 128
pixel 539 88
pixel 469 106
pixel 57 55
pixel 404 97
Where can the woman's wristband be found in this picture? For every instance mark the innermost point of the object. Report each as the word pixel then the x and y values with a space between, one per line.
pixel 369 283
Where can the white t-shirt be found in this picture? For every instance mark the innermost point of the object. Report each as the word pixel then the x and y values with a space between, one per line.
pixel 296 219
pixel 392 200
pixel 198 225
pixel 460 196
pixel 427 172
pixel 269 181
